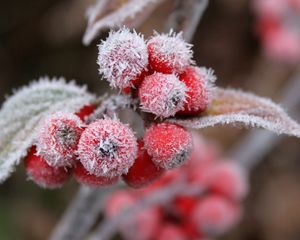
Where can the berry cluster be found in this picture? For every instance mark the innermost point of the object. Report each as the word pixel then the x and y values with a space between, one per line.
pixel 159 71
pixel 103 151
pixel 278 28
pixel 207 214
pixel 161 74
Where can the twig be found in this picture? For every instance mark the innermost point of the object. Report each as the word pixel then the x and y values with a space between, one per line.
pixel 186 17
pixel 258 143
pixel 81 214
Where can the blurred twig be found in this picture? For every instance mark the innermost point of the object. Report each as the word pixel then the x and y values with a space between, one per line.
pixel 258 143
pixel 186 17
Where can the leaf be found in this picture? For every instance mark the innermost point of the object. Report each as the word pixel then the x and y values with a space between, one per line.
pixel 21 113
pixel 131 13
pixel 236 107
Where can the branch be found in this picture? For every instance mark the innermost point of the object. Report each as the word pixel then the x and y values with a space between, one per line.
pixel 186 17
pixel 81 214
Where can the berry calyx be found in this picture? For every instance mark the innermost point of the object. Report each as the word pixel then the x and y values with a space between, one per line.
pixel 169 53
pixel 143 171
pixel 107 148
pixel 84 177
pixel 168 144
pixel 58 137
pixel 162 94
pixel 199 83
pixel 122 57
pixel 39 171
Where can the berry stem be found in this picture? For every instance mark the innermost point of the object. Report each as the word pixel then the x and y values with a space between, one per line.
pixel 81 213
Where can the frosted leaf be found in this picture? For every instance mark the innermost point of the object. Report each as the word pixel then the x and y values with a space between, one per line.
pixel 236 107
pixel 21 113
pixel 113 13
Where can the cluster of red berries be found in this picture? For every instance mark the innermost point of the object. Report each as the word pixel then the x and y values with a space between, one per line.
pixel 158 71
pixel 278 27
pixel 100 153
pixel 211 213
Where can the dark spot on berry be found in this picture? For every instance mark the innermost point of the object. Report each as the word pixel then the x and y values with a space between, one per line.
pixel 107 148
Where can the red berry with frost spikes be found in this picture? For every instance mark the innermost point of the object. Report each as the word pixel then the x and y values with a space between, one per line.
pixel 199 82
pixel 169 53
pixel 162 94
pixel 122 57
pixel 171 231
pixel 143 171
pixel 42 174
pixel 58 137
pixel 107 148
pixel 215 215
pixel 85 111
pixel 168 144
pixel 228 179
pixel 84 177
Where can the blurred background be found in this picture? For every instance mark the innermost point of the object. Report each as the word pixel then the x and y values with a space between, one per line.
pixel 44 37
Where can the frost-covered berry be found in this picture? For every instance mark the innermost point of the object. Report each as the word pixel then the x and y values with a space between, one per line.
pixel 107 148
pixel 228 179
pixel 58 137
pixel 168 144
pixel 199 83
pixel 85 111
pixel 215 215
pixel 39 171
pixel 171 231
pixel 143 171
pixel 169 53
pixel 122 57
pixel 162 94
pixel 84 177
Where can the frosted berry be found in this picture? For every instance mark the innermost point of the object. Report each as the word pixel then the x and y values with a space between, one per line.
pixel 117 202
pixel 85 111
pixel 199 83
pixel 143 171
pixel 214 215
pixel 42 174
pixel 169 53
pixel 122 57
pixel 171 231
pixel 84 177
pixel 168 144
pixel 228 179
pixel 162 94
pixel 58 137
pixel 107 148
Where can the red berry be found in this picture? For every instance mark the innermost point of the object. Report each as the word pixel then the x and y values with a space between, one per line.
pixel 214 215
pixel 42 174
pixel 184 205
pixel 162 94
pixel 84 177
pixel 168 144
pixel 107 148
pixel 58 137
pixel 122 57
pixel 143 171
pixel 85 111
pixel 169 53
pixel 198 81
pixel 171 232
pixel 228 179
pixel 117 202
